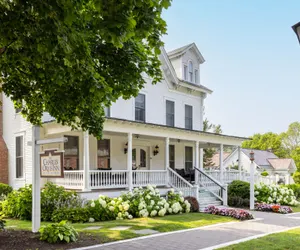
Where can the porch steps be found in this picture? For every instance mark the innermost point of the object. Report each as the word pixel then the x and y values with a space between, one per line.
pixel 207 199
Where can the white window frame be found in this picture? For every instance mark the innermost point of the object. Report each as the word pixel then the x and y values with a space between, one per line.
pixel 23 156
pixel 186 104
pixel 142 93
pixel 185 72
pixel 191 71
pixel 166 100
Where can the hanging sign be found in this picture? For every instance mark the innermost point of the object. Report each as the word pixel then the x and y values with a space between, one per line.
pixel 52 164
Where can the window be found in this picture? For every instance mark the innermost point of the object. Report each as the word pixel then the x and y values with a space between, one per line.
pixel 185 72
pixel 196 76
pixel 188 158
pixel 170 113
pixel 103 153
pixel 172 156
pixel 191 71
pixel 19 157
pixel 107 111
pixel 140 108
pixel 188 117
pixel 71 155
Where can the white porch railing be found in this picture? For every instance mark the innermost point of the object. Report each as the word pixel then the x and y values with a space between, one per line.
pixel 72 179
pixel 180 184
pixel 100 179
pixel 146 177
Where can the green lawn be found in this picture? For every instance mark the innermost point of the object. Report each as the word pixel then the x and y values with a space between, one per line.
pixel 161 224
pixel 296 209
pixel 286 240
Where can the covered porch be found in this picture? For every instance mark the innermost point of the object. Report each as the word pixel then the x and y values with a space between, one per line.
pixel 133 154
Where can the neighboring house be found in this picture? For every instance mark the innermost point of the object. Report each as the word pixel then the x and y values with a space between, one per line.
pixel 144 138
pixel 264 160
pixel 215 160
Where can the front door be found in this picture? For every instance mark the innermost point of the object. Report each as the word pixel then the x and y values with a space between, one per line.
pixel 139 158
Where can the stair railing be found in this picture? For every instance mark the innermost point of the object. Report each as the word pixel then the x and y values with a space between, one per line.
pixel 212 185
pixel 177 182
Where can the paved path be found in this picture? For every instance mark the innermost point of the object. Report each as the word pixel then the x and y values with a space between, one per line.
pixel 207 237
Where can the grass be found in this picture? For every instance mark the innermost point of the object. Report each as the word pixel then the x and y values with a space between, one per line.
pixel 296 209
pixel 161 224
pixel 286 240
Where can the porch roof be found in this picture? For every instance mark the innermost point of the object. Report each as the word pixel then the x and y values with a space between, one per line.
pixel 163 131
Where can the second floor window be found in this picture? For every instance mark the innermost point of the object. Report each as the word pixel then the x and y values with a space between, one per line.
pixel 188 117
pixel 19 157
pixel 191 69
pixel 170 113
pixel 140 108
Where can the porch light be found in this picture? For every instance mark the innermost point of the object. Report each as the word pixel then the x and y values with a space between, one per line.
pixel 251 156
pixel 156 150
pixel 126 148
pixel 296 29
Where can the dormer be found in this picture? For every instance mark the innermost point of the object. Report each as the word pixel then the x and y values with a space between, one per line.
pixel 186 62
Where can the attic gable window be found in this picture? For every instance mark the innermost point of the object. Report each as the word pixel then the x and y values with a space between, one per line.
pixel 191 69
pixel 185 72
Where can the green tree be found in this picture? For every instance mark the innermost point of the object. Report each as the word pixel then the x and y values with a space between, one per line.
pixel 291 138
pixel 267 141
pixel 72 58
pixel 209 152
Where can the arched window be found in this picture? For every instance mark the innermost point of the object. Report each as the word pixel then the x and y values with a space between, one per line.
pixel 191 71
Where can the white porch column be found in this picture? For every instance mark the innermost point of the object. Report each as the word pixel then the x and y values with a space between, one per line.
pixel 201 159
pixel 86 161
pixel 196 160
pixel 221 165
pixel 287 179
pixel 240 163
pixel 167 160
pixel 129 161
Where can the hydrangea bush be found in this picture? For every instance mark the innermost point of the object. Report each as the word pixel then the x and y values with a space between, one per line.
pixel 231 212
pixel 275 208
pixel 139 203
pixel 275 194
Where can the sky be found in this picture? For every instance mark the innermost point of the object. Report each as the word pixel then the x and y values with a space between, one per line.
pixel 252 60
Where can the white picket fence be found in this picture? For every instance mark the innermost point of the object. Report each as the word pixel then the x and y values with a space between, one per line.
pixel 232 175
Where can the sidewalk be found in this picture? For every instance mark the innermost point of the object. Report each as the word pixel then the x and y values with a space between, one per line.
pixel 207 237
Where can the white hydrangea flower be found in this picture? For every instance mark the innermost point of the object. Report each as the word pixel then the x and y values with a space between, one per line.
pixel 153 213
pixel 162 212
pixel 91 220
pixel 93 204
pixel 130 217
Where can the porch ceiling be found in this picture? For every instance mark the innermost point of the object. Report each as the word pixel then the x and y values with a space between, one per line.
pixel 114 125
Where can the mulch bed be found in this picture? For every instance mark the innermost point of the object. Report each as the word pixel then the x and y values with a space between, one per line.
pixel 26 240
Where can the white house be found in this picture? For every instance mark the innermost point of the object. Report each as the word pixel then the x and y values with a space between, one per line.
pixel 146 140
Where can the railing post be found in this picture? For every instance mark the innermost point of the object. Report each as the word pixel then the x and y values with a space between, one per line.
pixel 167 159
pixel 240 163
pixel 196 162
pixel 129 161
pixel 224 196
pixel 196 192
pixel 86 162
pixel 221 165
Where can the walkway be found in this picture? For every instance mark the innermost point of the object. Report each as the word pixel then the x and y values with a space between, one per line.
pixel 207 237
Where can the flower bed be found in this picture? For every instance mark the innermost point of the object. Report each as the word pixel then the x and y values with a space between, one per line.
pixel 273 194
pixel 231 212
pixel 275 208
pixel 139 203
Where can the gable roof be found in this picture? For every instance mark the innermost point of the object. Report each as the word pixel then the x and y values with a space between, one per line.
pixel 180 51
pixel 260 156
pixel 282 164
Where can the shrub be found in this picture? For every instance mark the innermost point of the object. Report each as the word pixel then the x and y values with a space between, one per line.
pixel 234 213
pixel 194 203
pixel 4 190
pixel 80 214
pixel 296 189
pixel 274 194
pixel 58 232
pixel 235 201
pixel 54 198
pixel 18 204
pixel 239 189
pixel 264 173
pixel 275 208
pixel 296 177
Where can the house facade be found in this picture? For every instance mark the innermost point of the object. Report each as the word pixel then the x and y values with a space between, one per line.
pixel 146 140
